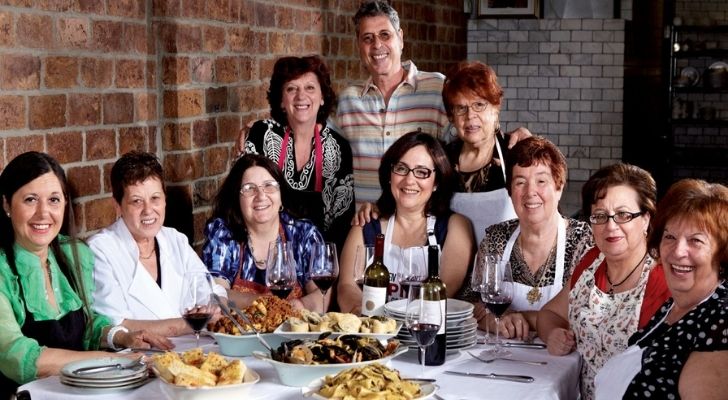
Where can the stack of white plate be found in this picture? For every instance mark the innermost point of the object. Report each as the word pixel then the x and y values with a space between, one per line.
pixel 114 379
pixel 461 326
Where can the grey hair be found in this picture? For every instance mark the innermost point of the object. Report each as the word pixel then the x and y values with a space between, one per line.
pixel 376 8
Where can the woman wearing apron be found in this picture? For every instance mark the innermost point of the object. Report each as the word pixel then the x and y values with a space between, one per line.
pixel 315 160
pixel 683 352
pixel 541 245
pixel 46 281
pixel 248 216
pixel 472 98
pixel 416 180
pixel 616 287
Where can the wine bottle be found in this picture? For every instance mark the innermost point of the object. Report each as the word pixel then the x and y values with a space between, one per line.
pixel 435 354
pixel 376 282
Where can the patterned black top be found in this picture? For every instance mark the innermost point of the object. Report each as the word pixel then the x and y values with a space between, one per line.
pixel 330 210
pixel 486 179
pixel 668 347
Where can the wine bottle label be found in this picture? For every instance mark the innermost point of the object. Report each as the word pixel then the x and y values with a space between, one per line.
pixel 372 300
pixel 432 308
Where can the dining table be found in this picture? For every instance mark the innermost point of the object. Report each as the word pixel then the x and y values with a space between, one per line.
pixel 558 379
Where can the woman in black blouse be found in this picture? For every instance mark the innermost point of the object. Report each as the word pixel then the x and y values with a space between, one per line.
pixel 315 160
pixel 683 350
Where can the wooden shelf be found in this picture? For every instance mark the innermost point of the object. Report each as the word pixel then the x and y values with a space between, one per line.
pixel 706 123
pixel 714 53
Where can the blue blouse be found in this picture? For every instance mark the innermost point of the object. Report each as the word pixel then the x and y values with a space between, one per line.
pixel 221 253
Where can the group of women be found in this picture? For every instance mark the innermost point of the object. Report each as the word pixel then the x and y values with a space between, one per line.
pixel 639 276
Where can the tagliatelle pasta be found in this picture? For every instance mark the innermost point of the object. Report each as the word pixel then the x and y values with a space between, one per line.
pixel 371 382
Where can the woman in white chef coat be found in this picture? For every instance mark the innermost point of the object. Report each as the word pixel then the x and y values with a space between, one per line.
pixel 140 264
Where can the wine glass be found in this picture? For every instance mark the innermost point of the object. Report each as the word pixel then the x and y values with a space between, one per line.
pixel 412 269
pixel 280 276
pixel 497 295
pixel 423 317
pixel 477 285
pixel 364 256
pixel 324 268
pixel 195 305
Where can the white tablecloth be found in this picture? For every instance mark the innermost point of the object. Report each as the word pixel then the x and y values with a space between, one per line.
pixel 557 380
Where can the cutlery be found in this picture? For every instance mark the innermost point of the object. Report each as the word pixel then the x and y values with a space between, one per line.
pixel 490 360
pixel 519 345
pixel 262 341
pixel 109 367
pixel 226 311
pixel 420 380
pixel 512 378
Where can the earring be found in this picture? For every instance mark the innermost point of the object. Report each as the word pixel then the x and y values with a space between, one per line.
pixel 280 209
pixel 8 214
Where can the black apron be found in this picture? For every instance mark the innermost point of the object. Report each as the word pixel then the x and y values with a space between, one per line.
pixel 65 333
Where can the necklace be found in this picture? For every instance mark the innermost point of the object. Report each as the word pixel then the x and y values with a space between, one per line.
pixel 149 256
pixel 534 295
pixel 614 285
pixel 258 263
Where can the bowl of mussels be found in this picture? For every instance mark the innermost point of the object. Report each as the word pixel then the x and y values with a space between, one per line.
pixel 299 362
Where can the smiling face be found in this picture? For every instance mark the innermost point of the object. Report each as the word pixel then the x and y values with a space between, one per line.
pixel 534 194
pixel 143 208
pixel 688 255
pixel 261 207
pixel 36 212
pixel 412 193
pixel 302 98
pixel 474 127
pixel 620 241
pixel 380 46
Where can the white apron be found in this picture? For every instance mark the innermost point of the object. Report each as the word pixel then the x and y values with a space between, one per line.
pixel 393 253
pixel 529 298
pixel 485 208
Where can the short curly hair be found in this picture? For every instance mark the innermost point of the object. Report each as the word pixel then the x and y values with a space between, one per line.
pixel 471 77
pixel 134 167
pixel 536 150
pixel 287 69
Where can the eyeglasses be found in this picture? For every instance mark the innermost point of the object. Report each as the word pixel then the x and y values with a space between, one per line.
pixel 621 217
pixel 251 189
pixel 368 38
pixel 462 109
pixel 418 172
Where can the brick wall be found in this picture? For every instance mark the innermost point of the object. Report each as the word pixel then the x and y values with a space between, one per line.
pixel 87 81
pixel 702 12
pixel 563 79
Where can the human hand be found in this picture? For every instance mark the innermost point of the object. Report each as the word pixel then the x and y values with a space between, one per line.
pixel 142 340
pixel 242 137
pixel 366 213
pixel 518 135
pixel 561 342
pixel 514 326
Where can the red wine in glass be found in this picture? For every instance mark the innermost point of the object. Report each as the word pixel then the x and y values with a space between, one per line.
pixel 424 334
pixel 197 320
pixel 324 283
pixel 281 288
pixel 497 305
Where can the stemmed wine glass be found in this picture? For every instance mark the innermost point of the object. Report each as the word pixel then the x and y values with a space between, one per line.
pixel 423 318
pixel 324 268
pixel 195 305
pixel 364 256
pixel 476 283
pixel 497 295
pixel 280 276
pixel 412 269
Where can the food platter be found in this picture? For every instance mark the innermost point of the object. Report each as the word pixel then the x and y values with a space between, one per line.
pixel 284 330
pixel 311 390
pixel 240 390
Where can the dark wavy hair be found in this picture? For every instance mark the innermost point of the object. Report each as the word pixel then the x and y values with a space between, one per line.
pixel 227 204
pixel 19 172
pixel 703 203
pixel 439 203
pixel 134 167
pixel 287 69
pixel 471 77
pixel 536 150
pixel 621 174
pixel 369 9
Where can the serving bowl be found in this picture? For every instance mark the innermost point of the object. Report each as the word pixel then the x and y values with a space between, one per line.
pixel 240 390
pixel 302 374
pixel 312 390
pixel 244 345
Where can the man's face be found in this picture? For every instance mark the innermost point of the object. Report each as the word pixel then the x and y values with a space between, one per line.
pixel 380 46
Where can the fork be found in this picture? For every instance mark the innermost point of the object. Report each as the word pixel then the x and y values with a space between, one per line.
pixel 490 360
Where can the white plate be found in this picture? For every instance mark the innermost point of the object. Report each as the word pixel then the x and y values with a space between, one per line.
pixel 103 385
pixel 68 369
pixel 83 389
pixel 454 307
pixel 428 390
pixel 464 325
pixel 80 381
pixel 460 334
pixel 238 391
pixel 284 330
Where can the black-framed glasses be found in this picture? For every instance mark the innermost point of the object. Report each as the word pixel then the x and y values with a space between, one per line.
pixel 418 172
pixel 251 189
pixel 462 109
pixel 621 217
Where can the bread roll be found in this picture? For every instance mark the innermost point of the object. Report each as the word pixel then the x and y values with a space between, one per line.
pixel 232 374
pixel 297 325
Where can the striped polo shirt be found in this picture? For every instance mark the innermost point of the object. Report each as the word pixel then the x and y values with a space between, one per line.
pixel 371 126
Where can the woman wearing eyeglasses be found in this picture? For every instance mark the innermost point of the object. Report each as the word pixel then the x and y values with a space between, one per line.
pixel 414 210
pixel 247 217
pixel 617 286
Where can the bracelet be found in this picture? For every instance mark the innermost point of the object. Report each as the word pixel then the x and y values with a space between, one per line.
pixel 110 336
